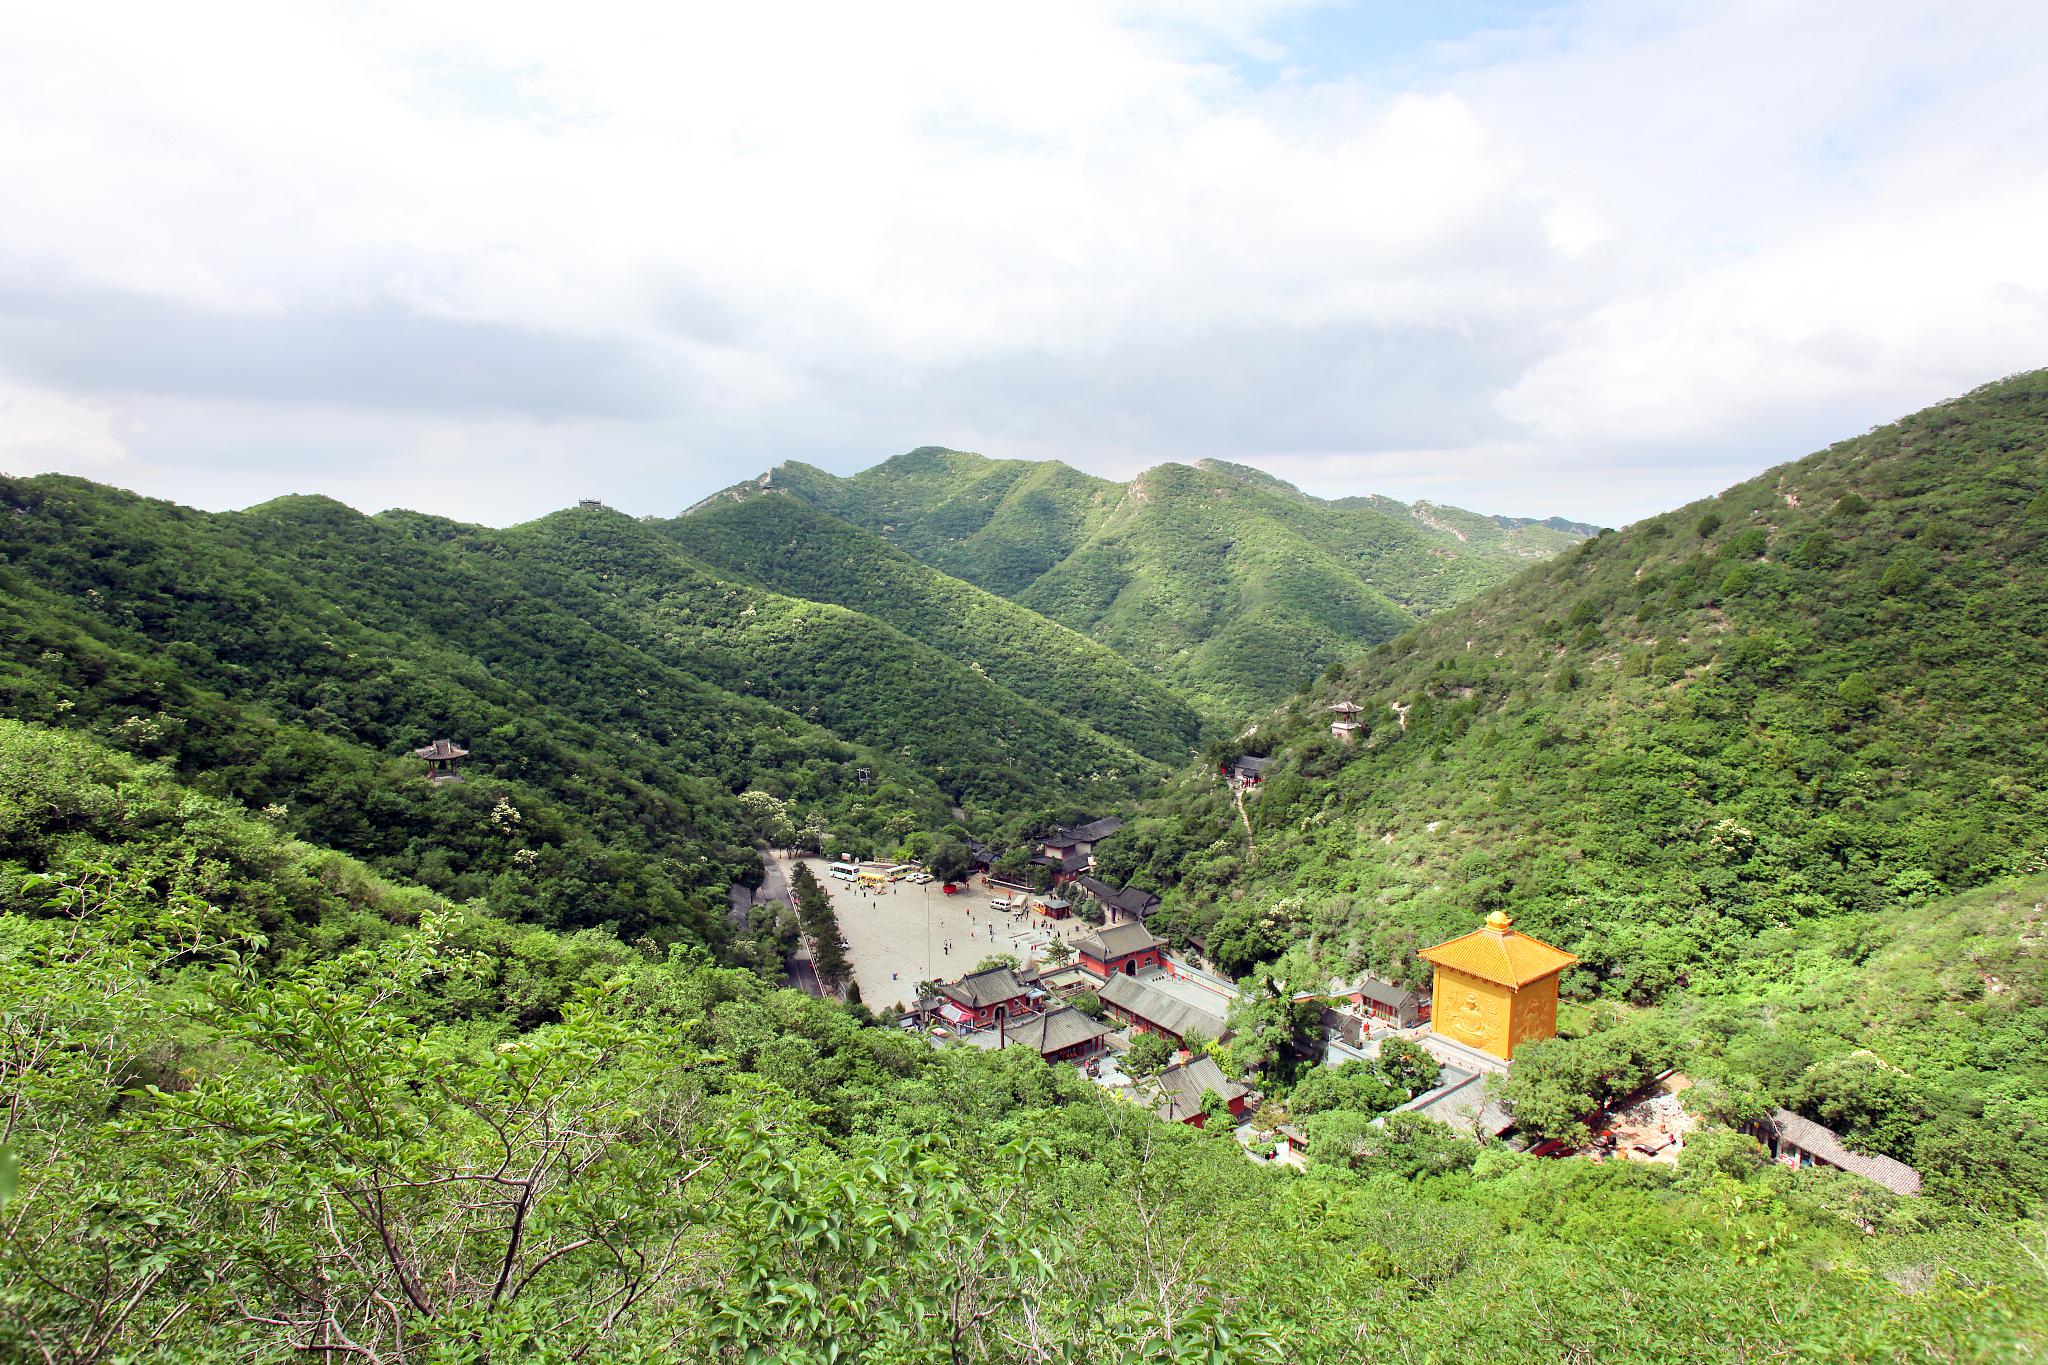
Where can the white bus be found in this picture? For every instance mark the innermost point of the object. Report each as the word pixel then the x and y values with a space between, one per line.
pixel 846 872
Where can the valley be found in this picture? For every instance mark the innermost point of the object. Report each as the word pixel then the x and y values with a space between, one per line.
pixel 1652 915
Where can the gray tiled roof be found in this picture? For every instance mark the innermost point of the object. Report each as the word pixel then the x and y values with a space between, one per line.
pixel 1178 1090
pixel 1116 940
pixel 982 989
pixel 1387 993
pixel 1130 899
pixel 1821 1143
pixel 1157 1008
pixel 1073 862
pixel 1460 1100
pixel 1055 1031
pixel 441 748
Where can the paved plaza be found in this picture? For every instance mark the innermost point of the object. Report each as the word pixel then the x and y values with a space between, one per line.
pixel 898 936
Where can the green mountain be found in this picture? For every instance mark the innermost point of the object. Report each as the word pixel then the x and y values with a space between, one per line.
pixel 1223 582
pixel 788 546
pixel 636 720
pixel 1739 744
pixel 263 1104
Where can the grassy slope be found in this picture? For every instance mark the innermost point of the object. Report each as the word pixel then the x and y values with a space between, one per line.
pixel 1822 693
pixel 788 546
pixel 999 524
pixel 1223 582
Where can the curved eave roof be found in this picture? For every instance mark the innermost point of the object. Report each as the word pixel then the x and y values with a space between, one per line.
pixel 1509 959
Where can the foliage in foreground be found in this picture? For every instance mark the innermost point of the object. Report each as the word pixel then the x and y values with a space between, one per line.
pixel 262 1103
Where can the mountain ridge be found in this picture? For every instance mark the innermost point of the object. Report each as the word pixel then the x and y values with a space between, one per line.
pixel 1257 583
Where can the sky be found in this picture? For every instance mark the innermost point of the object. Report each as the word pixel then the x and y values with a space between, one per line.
pixel 485 259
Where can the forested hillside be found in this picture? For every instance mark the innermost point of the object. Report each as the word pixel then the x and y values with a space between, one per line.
pixel 1726 755
pixel 263 1106
pixel 1223 582
pixel 786 545
pixel 636 722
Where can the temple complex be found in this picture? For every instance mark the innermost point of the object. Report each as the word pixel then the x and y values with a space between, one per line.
pixel 1496 989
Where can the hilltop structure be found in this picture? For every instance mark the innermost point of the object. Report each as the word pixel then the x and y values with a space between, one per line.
pixel 1248 771
pixel 1495 989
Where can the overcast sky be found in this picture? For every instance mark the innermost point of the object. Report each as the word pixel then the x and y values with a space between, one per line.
pixel 487 258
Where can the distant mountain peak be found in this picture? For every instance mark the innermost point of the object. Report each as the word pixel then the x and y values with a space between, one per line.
pixel 1223 581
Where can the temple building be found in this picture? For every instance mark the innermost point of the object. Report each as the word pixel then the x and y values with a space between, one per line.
pixel 1128 948
pixel 1495 989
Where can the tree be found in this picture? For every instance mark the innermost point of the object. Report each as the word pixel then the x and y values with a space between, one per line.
pixel 1875 1107
pixel 821 925
pixel 1558 1082
pixel 1149 1054
pixel 769 816
pixel 1267 1030
pixel 950 861
pixel 1403 1145
pixel 1058 953
pixel 1407 1067
pixel 1246 936
pixel 1356 1087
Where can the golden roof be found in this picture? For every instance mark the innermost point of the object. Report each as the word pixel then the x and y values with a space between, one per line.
pixel 1498 954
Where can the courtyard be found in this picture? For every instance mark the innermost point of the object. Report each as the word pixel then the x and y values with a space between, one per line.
pixel 904 933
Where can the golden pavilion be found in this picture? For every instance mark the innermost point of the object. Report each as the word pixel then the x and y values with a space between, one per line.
pixel 1495 988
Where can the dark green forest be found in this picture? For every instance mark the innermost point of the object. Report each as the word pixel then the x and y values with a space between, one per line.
pixel 788 546
pixel 636 723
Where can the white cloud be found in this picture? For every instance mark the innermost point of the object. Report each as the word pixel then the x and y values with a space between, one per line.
pixel 1588 266
pixel 43 429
